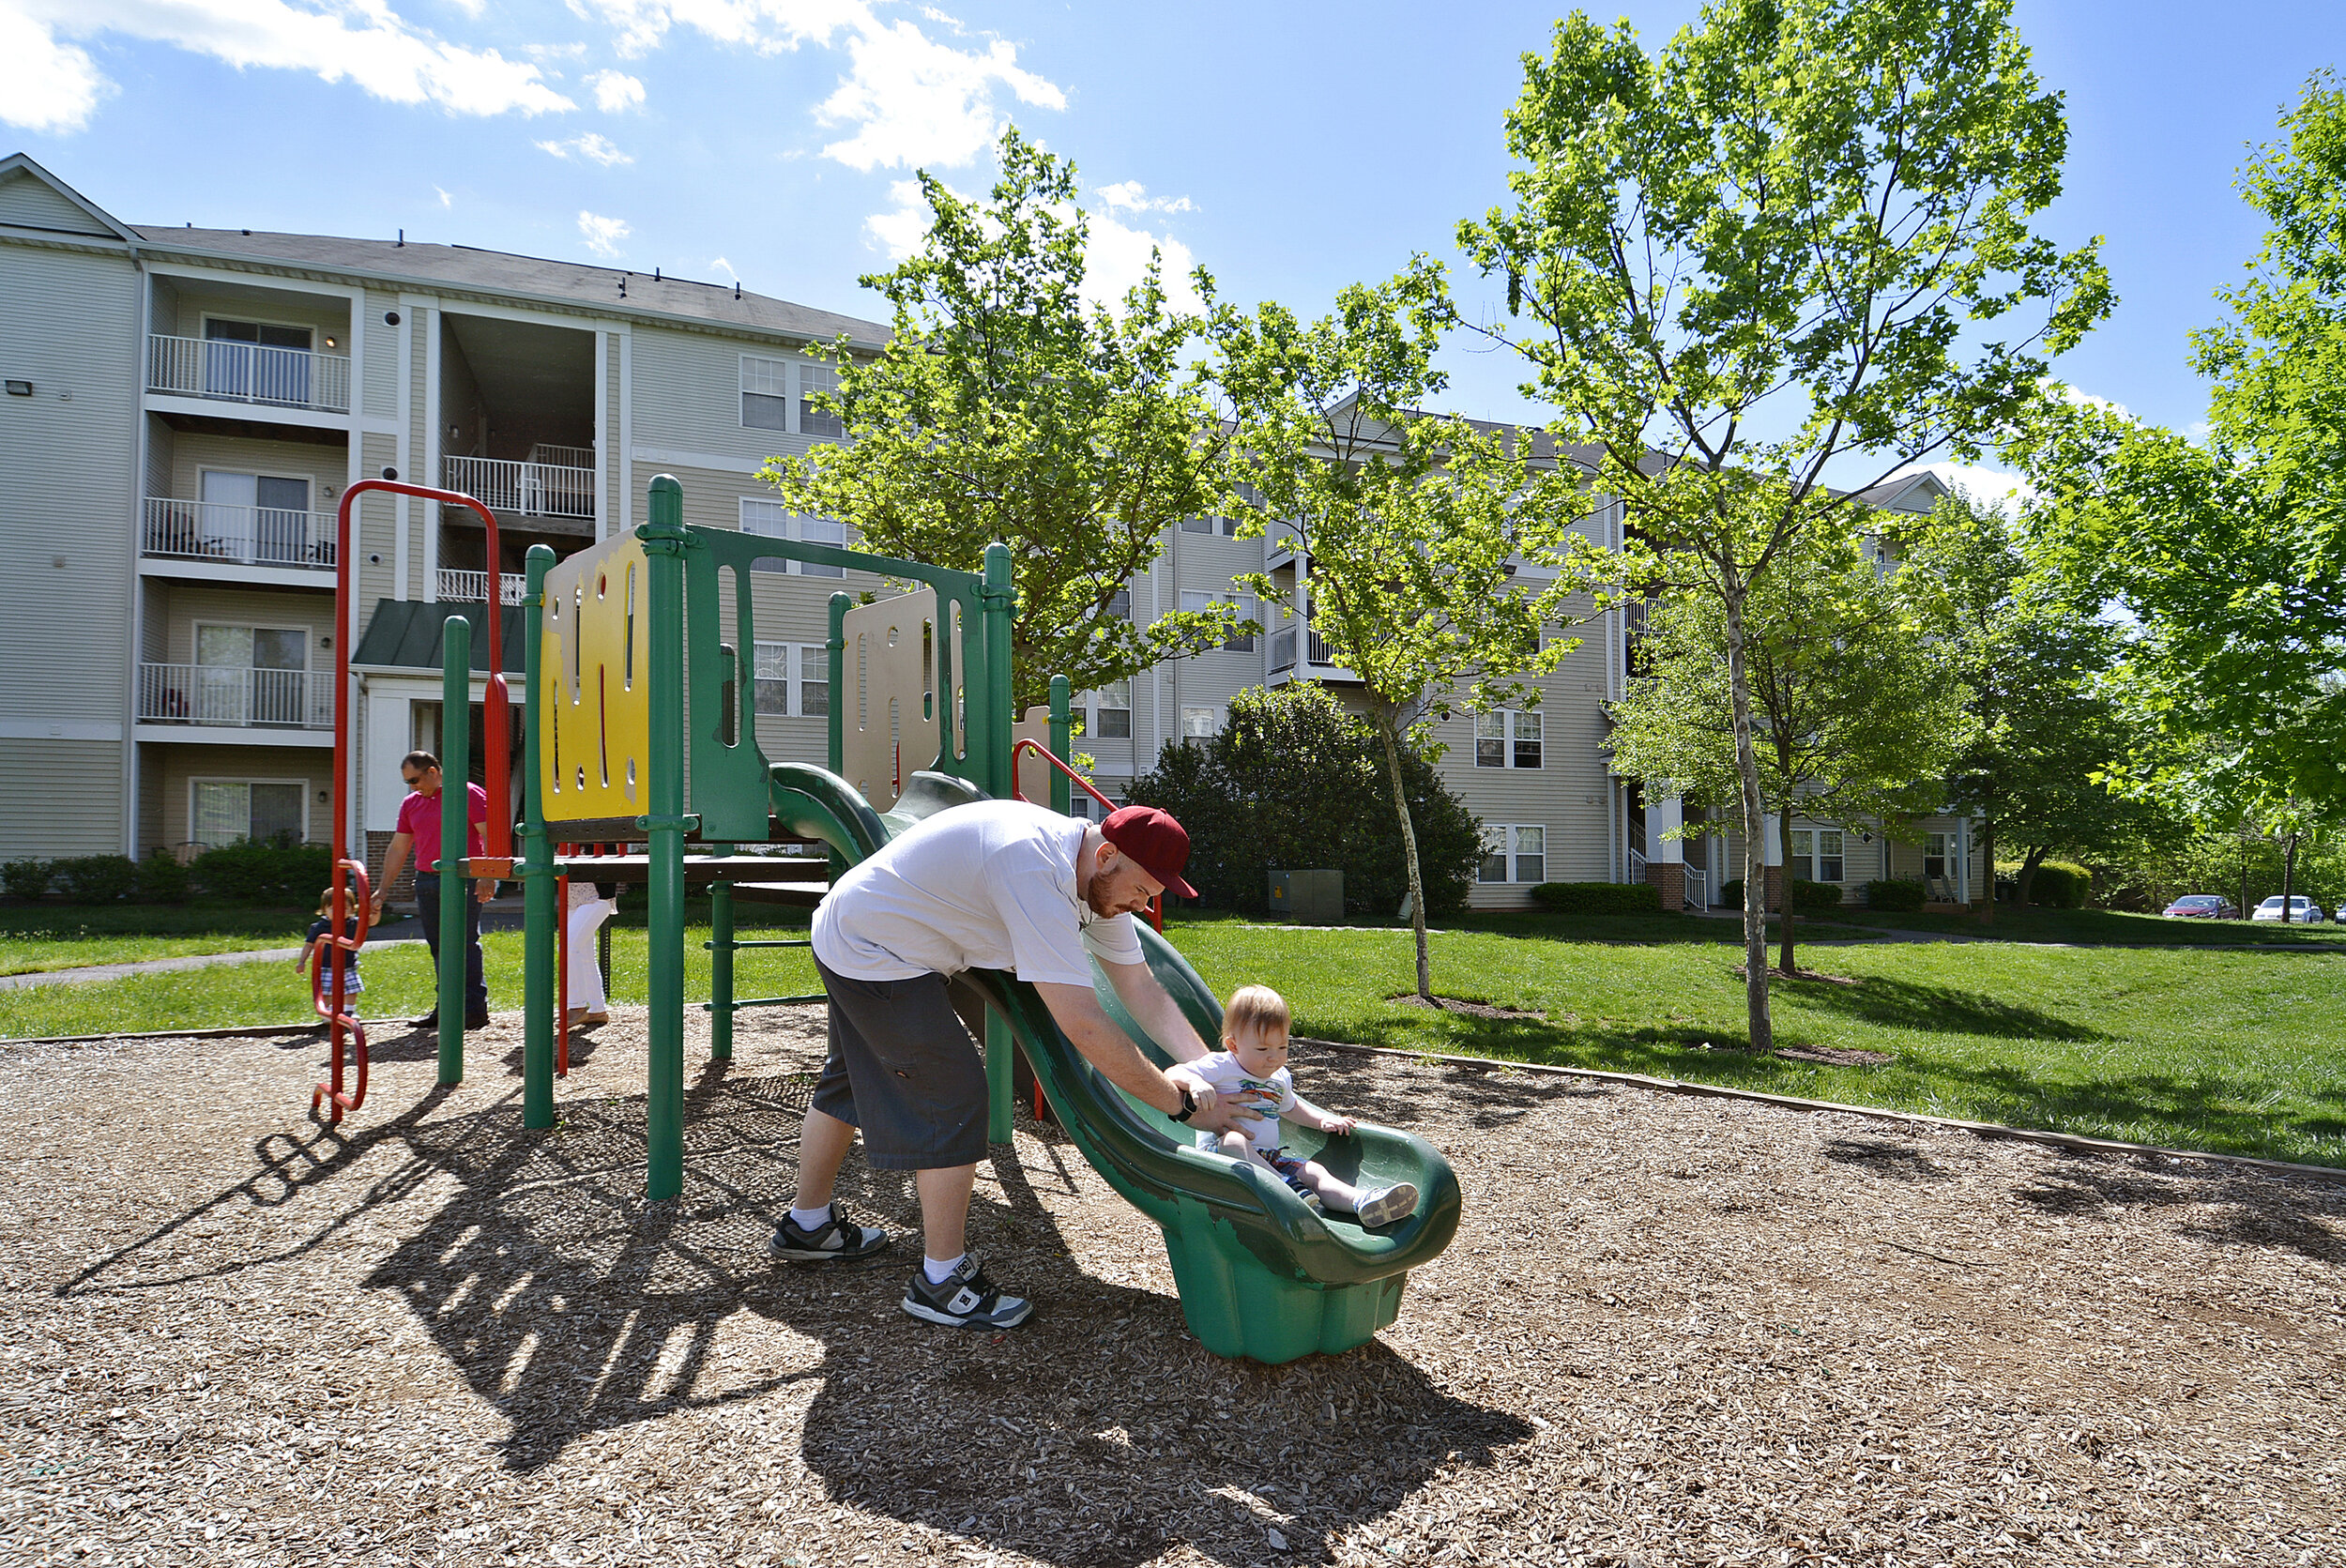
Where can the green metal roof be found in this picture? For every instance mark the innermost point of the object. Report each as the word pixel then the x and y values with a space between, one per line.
pixel 405 634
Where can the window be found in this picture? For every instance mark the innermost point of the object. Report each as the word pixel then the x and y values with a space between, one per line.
pixel 256 360
pixel 221 811
pixel 1112 712
pixel 1817 856
pixel 764 393
pixel 1937 852
pixel 774 520
pixel 1225 526
pixel 817 423
pixel 1121 605
pixel 1514 852
pixel 781 693
pixel 1200 724
pixel 251 675
pixel 1507 738
pixel 1249 608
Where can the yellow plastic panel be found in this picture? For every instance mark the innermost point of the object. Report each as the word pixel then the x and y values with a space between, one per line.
pixel 595 660
pixel 889 728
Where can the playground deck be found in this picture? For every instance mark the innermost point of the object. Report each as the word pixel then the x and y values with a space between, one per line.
pixel 1668 1332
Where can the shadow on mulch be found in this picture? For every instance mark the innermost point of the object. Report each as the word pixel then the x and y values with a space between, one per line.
pixel 1899 1161
pixel 2232 1208
pixel 1099 1433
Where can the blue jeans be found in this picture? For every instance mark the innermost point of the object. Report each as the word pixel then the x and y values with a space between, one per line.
pixel 428 911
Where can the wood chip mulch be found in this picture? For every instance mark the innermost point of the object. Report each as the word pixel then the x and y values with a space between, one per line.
pixel 1466 1009
pixel 1669 1332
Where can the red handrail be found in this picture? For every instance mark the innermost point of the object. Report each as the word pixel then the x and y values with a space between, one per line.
pixel 495 740
pixel 1156 904
pixel 328 998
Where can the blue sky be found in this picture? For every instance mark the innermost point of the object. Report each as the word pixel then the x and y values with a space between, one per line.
pixel 772 139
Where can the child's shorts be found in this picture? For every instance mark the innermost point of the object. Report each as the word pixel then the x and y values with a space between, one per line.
pixel 1290 1169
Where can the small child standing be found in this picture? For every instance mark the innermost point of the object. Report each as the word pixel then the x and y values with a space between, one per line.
pixel 352 984
pixel 1252 1068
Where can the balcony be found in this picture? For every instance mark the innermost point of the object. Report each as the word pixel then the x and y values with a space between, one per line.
pixel 248 374
pixel 532 489
pixel 472 588
pixel 229 696
pixel 1317 656
pixel 236 535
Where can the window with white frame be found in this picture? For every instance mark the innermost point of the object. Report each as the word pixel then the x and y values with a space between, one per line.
pixel 764 393
pixel 1111 712
pixel 1938 850
pixel 1249 609
pixel 774 520
pixel 223 811
pixel 793 680
pixel 1514 852
pixel 1200 724
pixel 1509 737
pixel 818 424
pixel 1225 526
pixel 1120 605
pixel 1817 854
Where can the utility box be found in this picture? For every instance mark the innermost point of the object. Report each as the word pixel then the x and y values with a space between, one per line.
pixel 1313 896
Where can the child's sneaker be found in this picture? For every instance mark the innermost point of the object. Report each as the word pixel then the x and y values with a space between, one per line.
pixel 833 1240
pixel 1387 1204
pixel 967 1300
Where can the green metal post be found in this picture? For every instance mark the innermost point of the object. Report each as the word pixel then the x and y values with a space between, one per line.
pixel 840 605
pixel 455 839
pixel 721 967
pixel 1061 723
pixel 987 712
pixel 664 542
pixel 539 914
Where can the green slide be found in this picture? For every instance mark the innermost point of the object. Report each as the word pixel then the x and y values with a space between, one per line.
pixel 1260 1274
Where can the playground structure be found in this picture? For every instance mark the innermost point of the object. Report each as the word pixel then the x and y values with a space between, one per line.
pixel 640 729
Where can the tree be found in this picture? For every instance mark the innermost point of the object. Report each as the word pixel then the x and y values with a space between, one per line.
pixel 2046 732
pixel 1769 251
pixel 1409 527
pixel 1002 408
pixel 1295 781
pixel 1854 713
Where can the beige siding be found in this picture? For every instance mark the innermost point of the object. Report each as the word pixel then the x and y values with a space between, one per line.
pixel 171 768
pixel 179 607
pixel 194 300
pixel 60 798
pixel 376 525
pixel 162 443
pixel 68 481
pixel 382 358
pixel 193 451
pixel 31 204
pixel 688 395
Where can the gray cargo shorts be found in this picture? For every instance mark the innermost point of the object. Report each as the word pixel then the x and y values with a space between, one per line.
pixel 906 1069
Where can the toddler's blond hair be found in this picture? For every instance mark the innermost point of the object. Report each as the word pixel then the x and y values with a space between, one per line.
pixel 1258 1005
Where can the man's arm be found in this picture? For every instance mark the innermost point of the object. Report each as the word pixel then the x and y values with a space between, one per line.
pixel 1154 1010
pixel 393 858
pixel 1078 1012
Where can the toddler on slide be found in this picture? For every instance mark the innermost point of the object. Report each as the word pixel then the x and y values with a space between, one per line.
pixel 1252 1068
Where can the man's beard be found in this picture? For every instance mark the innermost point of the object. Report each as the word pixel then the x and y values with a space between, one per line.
pixel 1091 897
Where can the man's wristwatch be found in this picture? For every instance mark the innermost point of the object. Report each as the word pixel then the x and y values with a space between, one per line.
pixel 1189 1101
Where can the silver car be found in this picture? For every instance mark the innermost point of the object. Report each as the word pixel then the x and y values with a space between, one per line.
pixel 2302 911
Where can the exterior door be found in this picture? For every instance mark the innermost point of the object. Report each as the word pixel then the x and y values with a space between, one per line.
pixel 281 530
pixel 256 362
pixel 228 503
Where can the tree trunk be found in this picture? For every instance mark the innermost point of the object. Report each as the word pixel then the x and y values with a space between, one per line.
pixel 2243 878
pixel 1987 839
pixel 2027 879
pixel 2288 879
pixel 1762 1029
pixel 1409 855
pixel 1784 914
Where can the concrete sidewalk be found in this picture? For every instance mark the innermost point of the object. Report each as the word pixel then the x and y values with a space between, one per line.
pixel 167 966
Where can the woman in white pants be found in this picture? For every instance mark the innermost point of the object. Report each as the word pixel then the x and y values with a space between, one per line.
pixel 590 908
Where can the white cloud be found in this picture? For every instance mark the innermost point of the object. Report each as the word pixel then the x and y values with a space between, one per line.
pixel 2005 492
pixel 1119 258
pixel 616 91
pixel 727 268
pixel 446 200
pixel 898 230
pixel 46 84
pixel 603 235
pixel 588 145
pixel 50 84
pixel 912 99
pixel 1133 195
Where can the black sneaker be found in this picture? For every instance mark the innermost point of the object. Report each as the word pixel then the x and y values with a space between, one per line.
pixel 967 1300
pixel 476 1020
pixel 836 1239
pixel 428 1021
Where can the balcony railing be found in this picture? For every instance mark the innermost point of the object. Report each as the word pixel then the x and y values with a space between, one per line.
pixel 1282 650
pixel 246 536
pixel 472 588
pixel 248 372
pixel 524 489
pixel 234 697
pixel 1316 650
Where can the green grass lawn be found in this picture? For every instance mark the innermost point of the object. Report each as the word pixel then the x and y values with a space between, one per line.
pixel 2101 927
pixel 40 936
pixel 2223 1051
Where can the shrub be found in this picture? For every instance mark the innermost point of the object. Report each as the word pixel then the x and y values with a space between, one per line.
pixel 1897 893
pixel 1598 898
pixel 25 878
pixel 2060 884
pixel 1732 893
pixel 1296 783
pixel 97 878
pixel 1816 895
pixel 162 879
pixel 265 872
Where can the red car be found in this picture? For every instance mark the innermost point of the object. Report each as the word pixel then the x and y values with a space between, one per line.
pixel 2202 906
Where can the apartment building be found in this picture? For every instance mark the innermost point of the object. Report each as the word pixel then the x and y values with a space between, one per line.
pixel 185 408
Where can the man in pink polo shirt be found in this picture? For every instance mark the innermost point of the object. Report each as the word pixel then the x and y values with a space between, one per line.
pixel 419 829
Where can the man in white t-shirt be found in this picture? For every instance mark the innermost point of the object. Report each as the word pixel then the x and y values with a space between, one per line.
pixel 993 885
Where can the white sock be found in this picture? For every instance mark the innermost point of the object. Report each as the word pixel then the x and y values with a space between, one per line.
pixel 810 1219
pixel 939 1273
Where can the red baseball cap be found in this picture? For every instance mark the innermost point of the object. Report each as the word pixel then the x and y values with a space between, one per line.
pixel 1153 840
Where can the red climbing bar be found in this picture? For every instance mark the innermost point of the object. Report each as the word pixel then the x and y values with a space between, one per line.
pixel 1156 904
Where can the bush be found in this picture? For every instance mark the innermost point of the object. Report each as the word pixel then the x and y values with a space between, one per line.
pixel 162 879
pixel 265 872
pixel 1598 898
pixel 1897 893
pixel 97 878
pixel 1296 783
pixel 2060 884
pixel 25 878
pixel 1816 895
pixel 1732 893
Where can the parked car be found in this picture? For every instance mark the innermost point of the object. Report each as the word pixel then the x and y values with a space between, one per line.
pixel 2302 911
pixel 2202 907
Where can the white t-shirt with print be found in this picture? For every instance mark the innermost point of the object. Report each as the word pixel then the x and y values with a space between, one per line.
pixel 986 885
pixel 1275 1094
